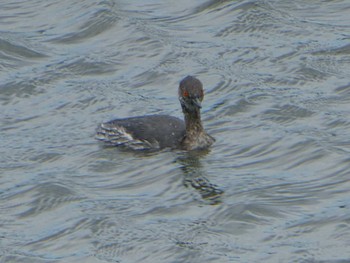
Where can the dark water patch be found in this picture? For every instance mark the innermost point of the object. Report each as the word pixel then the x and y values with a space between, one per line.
pixel 343 90
pixel 313 13
pixel 83 67
pixel 18 89
pixel 249 17
pixel 286 113
pixel 342 50
pixel 48 196
pixel 96 23
pixel 18 51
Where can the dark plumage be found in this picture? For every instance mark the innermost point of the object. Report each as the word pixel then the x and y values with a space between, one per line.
pixel 160 131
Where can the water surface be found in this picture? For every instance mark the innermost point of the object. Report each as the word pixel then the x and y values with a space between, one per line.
pixel 273 188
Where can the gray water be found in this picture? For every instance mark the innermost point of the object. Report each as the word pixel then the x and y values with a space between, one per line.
pixel 273 188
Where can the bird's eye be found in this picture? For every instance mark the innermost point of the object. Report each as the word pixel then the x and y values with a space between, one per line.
pixel 185 94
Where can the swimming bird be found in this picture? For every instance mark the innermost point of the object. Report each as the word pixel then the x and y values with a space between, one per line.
pixel 154 132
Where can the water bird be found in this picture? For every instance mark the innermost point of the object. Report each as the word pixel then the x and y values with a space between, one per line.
pixel 155 132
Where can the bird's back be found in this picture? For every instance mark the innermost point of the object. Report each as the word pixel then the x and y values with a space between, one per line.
pixel 144 132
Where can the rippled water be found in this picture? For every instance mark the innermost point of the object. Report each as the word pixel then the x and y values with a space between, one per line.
pixel 273 188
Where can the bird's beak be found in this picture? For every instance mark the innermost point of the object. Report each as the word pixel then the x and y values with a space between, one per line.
pixel 197 102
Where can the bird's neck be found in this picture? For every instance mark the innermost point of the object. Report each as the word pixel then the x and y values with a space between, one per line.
pixel 193 122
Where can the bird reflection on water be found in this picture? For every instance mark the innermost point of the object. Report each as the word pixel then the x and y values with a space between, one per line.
pixel 195 177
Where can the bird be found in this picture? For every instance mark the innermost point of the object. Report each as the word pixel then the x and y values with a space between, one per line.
pixel 156 132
